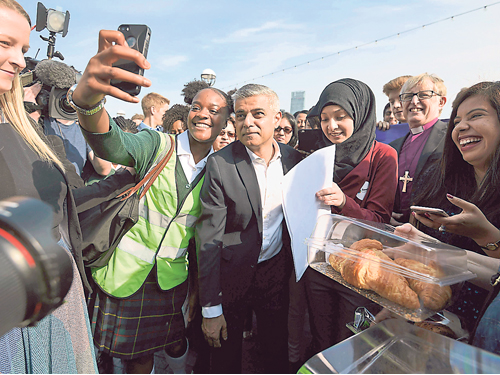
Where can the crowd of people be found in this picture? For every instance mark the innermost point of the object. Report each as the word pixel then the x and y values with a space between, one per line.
pixel 211 244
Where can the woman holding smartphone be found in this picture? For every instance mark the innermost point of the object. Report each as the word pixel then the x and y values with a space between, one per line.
pixel 138 309
pixel 464 183
pixel 364 187
pixel 467 170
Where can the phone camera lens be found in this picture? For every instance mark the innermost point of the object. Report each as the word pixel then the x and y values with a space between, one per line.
pixel 131 41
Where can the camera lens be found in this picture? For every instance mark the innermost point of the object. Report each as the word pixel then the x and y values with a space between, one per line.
pixel 64 105
pixel 35 273
pixel 131 41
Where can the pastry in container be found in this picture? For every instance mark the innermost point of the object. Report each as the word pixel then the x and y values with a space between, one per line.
pixel 413 278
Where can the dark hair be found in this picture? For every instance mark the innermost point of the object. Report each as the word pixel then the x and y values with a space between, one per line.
pixel 295 133
pixel 175 113
pixel 314 122
pixel 126 125
pixel 452 174
pixel 191 89
pixel 387 106
pixel 305 111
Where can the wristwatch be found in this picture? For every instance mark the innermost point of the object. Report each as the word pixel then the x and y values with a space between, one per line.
pixel 83 111
pixel 491 246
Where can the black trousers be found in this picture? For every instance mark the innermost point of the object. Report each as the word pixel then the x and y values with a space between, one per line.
pixel 331 306
pixel 268 297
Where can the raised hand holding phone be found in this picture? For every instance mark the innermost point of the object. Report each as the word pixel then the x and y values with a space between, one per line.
pixel 95 81
pixel 471 222
pixel 95 84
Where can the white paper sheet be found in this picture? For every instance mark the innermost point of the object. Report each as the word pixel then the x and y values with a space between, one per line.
pixel 300 205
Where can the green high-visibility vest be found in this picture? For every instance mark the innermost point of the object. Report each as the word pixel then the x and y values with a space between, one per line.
pixel 161 236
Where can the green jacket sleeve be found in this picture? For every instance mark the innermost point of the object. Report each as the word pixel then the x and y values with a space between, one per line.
pixel 134 150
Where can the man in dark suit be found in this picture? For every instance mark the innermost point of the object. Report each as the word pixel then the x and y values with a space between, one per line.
pixel 423 98
pixel 244 256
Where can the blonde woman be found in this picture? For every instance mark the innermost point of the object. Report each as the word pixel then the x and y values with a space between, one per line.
pixel 60 343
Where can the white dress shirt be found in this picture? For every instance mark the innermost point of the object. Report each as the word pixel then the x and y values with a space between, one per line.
pixel 190 168
pixel 270 179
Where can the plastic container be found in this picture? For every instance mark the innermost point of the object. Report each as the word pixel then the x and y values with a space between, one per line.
pixel 334 235
pixel 397 347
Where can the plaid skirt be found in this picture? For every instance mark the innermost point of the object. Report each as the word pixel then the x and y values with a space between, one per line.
pixel 142 324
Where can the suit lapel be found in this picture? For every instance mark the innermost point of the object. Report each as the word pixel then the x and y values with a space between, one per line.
pixel 249 179
pixel 398 143
pixel 437 135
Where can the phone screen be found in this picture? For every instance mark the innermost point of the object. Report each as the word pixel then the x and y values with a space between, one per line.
pixel 430 210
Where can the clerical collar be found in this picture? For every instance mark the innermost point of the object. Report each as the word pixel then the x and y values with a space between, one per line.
pixel 417 130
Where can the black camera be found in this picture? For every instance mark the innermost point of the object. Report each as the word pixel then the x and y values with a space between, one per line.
pixel 35 272
pixel 56 78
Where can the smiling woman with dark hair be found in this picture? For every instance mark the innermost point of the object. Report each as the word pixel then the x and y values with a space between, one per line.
pixel 464 182
pixel 138 309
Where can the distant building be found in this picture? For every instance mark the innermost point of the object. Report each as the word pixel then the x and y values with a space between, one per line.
pixel 297 104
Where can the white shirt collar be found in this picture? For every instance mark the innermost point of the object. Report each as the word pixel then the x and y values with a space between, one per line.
pixel 277 153
pixel 183 144
pixel 183 147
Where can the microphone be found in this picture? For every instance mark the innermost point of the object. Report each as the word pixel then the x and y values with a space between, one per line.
pixel 56 74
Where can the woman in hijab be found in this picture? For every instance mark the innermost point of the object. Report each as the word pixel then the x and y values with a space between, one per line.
pixel 364 187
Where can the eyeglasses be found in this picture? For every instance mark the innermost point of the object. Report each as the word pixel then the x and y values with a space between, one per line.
pixel 229 134
pixel 421 95
pixel 286 130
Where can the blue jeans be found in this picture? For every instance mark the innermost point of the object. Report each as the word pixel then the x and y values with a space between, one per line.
pixel 487 335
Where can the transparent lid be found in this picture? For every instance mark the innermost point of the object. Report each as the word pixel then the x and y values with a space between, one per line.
pixel 414 278
pixel 397 347
pixel 335 234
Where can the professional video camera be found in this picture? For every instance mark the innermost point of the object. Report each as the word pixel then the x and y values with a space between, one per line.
pixel 35 273
pixel 55 76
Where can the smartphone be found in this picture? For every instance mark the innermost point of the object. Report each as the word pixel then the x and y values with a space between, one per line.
pixel 430 210
pixel 308 139
pixel 137 37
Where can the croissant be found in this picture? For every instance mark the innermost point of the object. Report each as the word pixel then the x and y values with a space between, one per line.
pixel 337 261
pixel 433 296
pixel 367 272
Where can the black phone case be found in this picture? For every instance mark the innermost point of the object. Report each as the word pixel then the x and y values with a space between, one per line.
pixel 142 35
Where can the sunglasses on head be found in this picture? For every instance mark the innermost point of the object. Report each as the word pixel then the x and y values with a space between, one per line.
pixel 287 130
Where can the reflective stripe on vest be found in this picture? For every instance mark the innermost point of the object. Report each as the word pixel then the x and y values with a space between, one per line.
pixel 142 252
pixel 161 220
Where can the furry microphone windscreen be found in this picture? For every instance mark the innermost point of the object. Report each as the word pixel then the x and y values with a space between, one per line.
pixel 55 74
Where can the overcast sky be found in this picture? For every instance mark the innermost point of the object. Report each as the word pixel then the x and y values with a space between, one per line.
pixel 243 41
